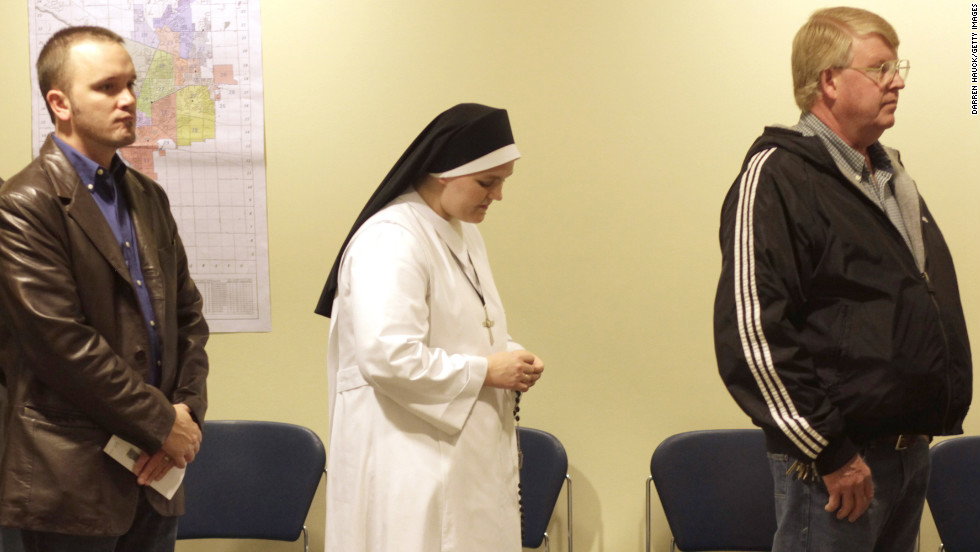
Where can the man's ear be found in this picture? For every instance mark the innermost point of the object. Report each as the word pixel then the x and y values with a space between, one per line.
pixel 828 84
pixel 60 104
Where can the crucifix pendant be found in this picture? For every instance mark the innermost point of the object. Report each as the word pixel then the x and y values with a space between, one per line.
pixel 488 324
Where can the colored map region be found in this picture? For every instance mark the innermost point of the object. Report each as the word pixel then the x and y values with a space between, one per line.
pixel 199 133
pixel 177 98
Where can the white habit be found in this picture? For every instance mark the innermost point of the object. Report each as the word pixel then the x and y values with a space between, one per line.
pixel 422 457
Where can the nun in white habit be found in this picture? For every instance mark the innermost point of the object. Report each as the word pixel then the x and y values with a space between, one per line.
pixel 423 378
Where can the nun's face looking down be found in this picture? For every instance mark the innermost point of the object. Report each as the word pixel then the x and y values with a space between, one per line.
pixel 466 197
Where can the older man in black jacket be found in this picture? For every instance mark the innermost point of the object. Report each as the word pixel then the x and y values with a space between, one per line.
pixel 838 324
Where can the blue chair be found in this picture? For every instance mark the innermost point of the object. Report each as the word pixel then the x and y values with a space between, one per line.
pixel 543 472
pixel 954 493
pixel 716 489
pixel 252 480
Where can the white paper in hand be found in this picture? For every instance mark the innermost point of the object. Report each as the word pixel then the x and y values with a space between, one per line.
pixel 127 453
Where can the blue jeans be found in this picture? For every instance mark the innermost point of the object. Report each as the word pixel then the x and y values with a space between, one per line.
pixel 891 523
pixel 150 532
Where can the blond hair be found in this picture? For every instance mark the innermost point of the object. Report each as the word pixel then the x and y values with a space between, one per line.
pixel 825 41
pixel 53 69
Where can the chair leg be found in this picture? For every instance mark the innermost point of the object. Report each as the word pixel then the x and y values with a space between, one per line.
pixel 647 533
pixel 568 494
pixel 672 545
pixel 306 540
pixel 547 542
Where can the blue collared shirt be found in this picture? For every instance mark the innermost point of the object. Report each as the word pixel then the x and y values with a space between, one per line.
pixel 104 185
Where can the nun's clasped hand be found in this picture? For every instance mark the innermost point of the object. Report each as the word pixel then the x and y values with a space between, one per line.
pixel 515 370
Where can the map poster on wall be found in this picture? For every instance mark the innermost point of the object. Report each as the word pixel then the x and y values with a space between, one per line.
pixel 199 133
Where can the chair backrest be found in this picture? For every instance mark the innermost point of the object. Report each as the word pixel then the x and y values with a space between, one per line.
pixel 954 492
pixel 716 489
pixel 542 475
pixel 251 480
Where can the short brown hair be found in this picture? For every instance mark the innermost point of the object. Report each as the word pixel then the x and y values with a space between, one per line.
pixel 825 41
pixel 52 63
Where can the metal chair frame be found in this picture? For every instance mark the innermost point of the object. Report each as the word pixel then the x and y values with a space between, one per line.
pixel 568 507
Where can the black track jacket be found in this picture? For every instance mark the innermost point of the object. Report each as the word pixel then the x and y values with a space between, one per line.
pixel 828 332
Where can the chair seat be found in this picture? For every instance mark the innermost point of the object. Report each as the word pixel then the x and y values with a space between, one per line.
pixel 252 480
pixel 543 472
pixel 716 489
pixel 954 492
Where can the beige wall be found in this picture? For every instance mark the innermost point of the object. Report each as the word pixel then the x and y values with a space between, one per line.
pixel 633 117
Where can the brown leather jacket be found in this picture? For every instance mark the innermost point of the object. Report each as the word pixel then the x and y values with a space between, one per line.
pixel 75 349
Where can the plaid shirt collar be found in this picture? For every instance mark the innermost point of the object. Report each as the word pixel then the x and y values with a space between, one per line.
pixel 850 161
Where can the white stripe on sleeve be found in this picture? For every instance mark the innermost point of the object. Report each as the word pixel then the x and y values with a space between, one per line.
pixel 754 344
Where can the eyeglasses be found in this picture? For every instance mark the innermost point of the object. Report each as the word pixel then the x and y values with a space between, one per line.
pixel 885 73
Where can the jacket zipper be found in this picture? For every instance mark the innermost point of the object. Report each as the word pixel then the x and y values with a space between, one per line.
pixel 942 330
pixel 924 276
